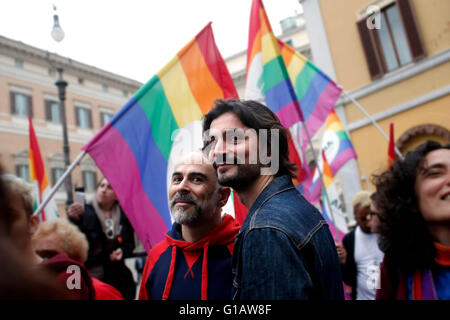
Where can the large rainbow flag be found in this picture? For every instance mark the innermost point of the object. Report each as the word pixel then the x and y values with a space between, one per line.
pixel 38 178
pixel 267 78
pixel 315 91
pixel 137 149
pixel 338 150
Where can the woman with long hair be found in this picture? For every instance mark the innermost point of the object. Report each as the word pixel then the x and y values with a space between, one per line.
pixel 413 199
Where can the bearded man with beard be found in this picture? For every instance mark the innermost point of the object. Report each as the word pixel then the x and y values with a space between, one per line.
pixel 284 249
pixel 193 262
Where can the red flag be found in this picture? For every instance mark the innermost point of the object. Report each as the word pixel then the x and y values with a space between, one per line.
pixel 295 158
pixel 38 177
pixel 391 149
pixel 240 211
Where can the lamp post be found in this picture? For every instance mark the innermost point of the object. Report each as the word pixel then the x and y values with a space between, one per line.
pixel 58 35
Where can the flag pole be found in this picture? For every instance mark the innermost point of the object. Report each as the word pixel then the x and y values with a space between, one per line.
pixel 359 163
pixel 336 233
pixel 399 154
pixel 364 174
pixel 59 183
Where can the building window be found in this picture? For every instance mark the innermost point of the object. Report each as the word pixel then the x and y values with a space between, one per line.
pixel 125 93
pixel 288 24
pixel 289 42
pixel 395 42
pixel 52 111
pixel 83 117
pixel 80 81
pixel 105 117
pixel 89 180
pixel 56 175
pixel 21 104
pixel 23 172
pixel 51 72
pixel 105 88
pixel 18 63
pixel 392 38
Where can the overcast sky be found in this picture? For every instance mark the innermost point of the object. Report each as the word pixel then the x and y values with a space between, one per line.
pixel 133 38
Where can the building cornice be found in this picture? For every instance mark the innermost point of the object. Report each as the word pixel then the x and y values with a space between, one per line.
pixel 413 103
pixel 52 134
pixel 41 57
pixel 41 79
pixel 396 76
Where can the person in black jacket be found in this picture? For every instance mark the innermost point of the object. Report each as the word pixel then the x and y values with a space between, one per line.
pixel 110 236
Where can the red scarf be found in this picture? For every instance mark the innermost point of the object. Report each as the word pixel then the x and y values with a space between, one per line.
pixel 423 283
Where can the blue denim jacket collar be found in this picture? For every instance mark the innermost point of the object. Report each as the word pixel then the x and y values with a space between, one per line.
pixel 277 185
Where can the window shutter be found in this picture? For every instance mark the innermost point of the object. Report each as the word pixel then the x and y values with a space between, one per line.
pixel 83 175
pixel 89 113
pixel 53 174
pixel 12 99
pixel 95 179
pixel 412 32
pixel 370 50
pixel 30 106
pixel 77 120
pixel 48 111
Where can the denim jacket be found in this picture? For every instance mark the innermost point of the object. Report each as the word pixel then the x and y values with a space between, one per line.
pixel 285 250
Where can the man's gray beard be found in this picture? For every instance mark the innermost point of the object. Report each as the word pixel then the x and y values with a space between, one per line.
pixel 191 218
pixel 245 177
pixel 187 218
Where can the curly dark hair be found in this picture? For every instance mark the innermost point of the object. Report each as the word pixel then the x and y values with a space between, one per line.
pixel 405 237
pixel 256 116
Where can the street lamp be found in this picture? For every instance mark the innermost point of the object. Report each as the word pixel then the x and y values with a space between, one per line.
pixel 58 35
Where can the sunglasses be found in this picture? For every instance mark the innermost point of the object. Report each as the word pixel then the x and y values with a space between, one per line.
pixel 109 232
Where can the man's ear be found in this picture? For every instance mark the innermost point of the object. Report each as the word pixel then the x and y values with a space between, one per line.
pixel 33 224
pixel 224 194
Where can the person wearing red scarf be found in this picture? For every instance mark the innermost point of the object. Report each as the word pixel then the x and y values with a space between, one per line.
pixel 193 262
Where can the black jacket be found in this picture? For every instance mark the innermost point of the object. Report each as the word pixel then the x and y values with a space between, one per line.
pixel 99 252
pixel 116 273
pixel 349 268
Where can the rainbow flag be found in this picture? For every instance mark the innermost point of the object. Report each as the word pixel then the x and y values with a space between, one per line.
pixel 38 178
pixel 267 78
pixel 391 148
pixel 338 149
pixel 335 215
pixel 315 91
pixel 137 149
pixel 266 75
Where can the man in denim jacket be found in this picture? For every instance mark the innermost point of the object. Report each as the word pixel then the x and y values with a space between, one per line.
pixel 284 249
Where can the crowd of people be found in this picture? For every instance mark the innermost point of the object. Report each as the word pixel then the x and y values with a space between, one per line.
pixel 284 250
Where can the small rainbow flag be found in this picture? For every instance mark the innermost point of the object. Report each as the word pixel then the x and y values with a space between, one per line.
pixel 267 78
pixel 38 177
pixel 334 215
pixel 138 148
pixel 391 148
pixel 338 150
